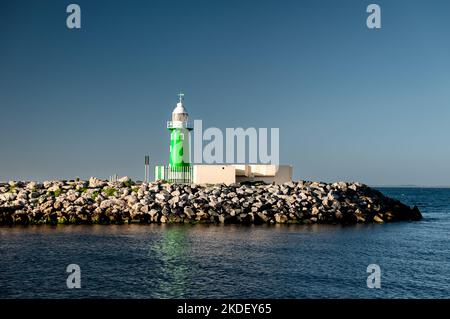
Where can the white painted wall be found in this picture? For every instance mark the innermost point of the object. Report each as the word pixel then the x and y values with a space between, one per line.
pixel 214 174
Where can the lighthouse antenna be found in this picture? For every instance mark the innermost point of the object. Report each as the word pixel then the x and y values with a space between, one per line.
pixel 180 97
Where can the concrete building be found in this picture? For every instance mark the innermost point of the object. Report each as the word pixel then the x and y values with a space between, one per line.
pixel 180 170
pixel 228 174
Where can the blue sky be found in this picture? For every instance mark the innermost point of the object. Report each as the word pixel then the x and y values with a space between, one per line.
pixel 351 103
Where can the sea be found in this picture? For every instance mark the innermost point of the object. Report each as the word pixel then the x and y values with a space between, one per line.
pixel 411 259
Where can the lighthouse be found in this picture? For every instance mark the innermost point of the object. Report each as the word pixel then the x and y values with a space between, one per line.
pixel 179 136
pixel 179 169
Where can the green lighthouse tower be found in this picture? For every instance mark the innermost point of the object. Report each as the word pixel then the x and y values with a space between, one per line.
pixel 179 136
pixel 179 169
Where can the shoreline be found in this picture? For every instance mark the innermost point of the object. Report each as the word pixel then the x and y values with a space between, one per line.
pixel 126 202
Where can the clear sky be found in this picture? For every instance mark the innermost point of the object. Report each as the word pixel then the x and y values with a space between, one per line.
pixel 351 103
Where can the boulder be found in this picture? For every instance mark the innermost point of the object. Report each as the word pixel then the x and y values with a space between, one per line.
pixel 377 219
pixel 31 186
pixel 280 218
pixel 96 183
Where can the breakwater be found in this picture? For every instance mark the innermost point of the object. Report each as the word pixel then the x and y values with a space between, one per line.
pixel 101 202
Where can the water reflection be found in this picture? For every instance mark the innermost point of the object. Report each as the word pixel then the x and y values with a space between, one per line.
pixel 170 255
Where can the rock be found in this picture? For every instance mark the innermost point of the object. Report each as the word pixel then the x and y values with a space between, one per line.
pixel 303 196
pixel 34 195
pixel 280 218
pixel 47 184
pixel 263 216
pixel 22 195
pixel 124 179
pixel 72 197
pixel 31 186
pixel 79 201
pixel 131 200
pixel 8 197
pixel 333 195
pixel 96 183
pixel 175 193
pixel 314 211
pixel 175 200
pixel 289 185
pixel 377 219
pixel 222 219
pixel 106 203
pixel 201 215
pixel 162 197
pixel 54 188
pixel 57 205
pixel 153 213
pixel 189 212
pixel 360 219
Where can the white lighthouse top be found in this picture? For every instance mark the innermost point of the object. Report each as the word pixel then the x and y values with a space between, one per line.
pixel 180 107
pixel 179 115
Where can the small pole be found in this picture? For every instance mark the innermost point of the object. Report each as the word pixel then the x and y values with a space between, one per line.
pixel 146 164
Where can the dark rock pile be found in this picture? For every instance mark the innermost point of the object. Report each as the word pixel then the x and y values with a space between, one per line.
pixel 100 202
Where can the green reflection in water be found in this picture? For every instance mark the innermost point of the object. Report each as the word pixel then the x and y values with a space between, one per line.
pixel 172 252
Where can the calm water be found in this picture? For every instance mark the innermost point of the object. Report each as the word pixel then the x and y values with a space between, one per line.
pixel 183 261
